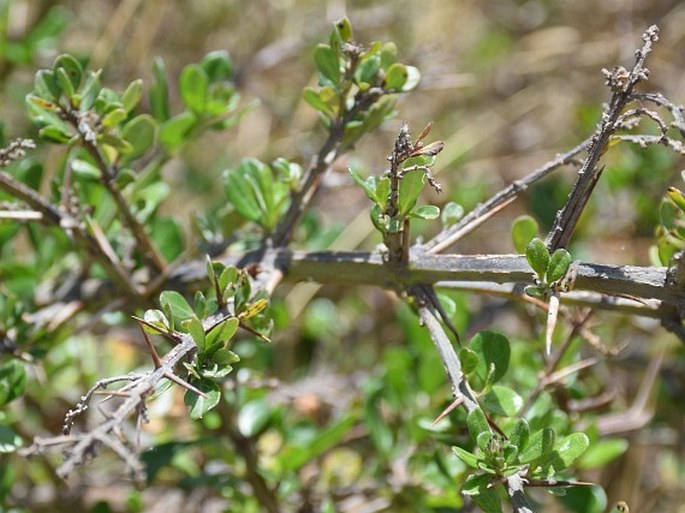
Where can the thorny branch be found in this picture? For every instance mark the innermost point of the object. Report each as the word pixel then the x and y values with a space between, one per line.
pixel 460 388
pixel 622 84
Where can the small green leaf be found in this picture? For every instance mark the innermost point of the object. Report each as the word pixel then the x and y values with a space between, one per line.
pixel 224 356
pixel 228 276
pixel 395 77
pixel 469 458
pixel 193 326
pixel 520 434
pixel 90 91
pixel 84 171
pixel 344 29
pixel 176 304
pixel 477 423
pixel 175 131
pixel 503 401
pixel 253 416
pixel 221 333
pixel 368 69
pixel 9 440
pixel 540 446
pixel 558 265
pixel 64 82
pixel 488 501
pixel 132 95
pixel 426 212
pixel 71 67
pixel 369 185
pixel 493 353
pixel 569 450
pixel 114 117
pixel 193 86
pixel 156 318
pixel 13 378
pixel 140 132
pixel 468 359
pixel 217 65
pixel 523 230
pixel 451 213
pixel 537 255
pixel 476 484
pixel 313 98
pixel 54 134
pixel 45 85
pixel 411 185
pixel 200 405
pixel 327 63
pixel 388 54
pixel 159 92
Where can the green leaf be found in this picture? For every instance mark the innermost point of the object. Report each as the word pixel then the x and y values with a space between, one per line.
pixel 451 213
pixel 313 98
pixel 493 352
pixel 558 265
pixel 140 132
pixel 175 131
pixel 159 92
pixel 503 401
pixel 344 29
pixel 520 434
pixel 167 235
pixel 427 212
pixel 217 65
pixel 84 171
pixel 64 82
pixel 468 359
pixel 229 276
pixel 388 54
pixel 476 484
pixel 241 194
pixel 200 405
pixel 131 97
pixel 569 450
pixel 411 185
pixel 537 255
pixel 114 117
pixel 253 416
pixel 488 501
pixel 395 77
pixel 477 423
pixel 45 85
pixel 9 440
pixel 193 326
pixel 71 67
pixel 54 134
pixel 176 304
pixel 603 452
pixel 369 185
pixel 13 378
pixel 523 230
pixel 156 318
pixel 327 63
pixel 367 70
pixel 90 91
pixel 193 86
pixel 224 356
pixel 469 458
pixel 221 333
pixel 540 446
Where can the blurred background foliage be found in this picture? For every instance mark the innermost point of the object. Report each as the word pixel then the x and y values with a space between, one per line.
pixel 340 405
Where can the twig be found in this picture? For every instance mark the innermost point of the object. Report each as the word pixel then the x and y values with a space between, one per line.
pixel 460 387
pixel 622 84
pixel 478 215
pixel 109 173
